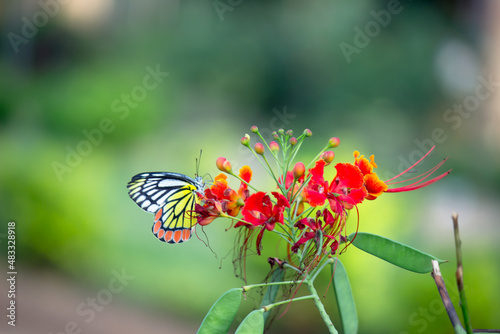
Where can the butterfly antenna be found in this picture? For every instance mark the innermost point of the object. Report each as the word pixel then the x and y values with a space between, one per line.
pixel 198 161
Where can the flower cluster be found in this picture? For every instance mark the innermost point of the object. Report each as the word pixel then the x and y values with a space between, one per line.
pixel 308 210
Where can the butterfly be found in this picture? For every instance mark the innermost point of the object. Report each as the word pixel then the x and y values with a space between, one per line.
pixel 171 197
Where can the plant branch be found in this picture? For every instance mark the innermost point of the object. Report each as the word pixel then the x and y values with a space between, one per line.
pixel 448 305
pixel 321 308
pixel 246 288
pixel 459 275
pixel 267 308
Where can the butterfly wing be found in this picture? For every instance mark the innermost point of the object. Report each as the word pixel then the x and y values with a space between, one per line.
pixel 172 198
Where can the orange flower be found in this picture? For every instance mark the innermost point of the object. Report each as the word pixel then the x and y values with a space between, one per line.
pixel 231 200
pixel 366 166
pixel 373 185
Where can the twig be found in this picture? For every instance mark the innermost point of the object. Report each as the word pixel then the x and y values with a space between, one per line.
pixel 448 305
pixel 459 275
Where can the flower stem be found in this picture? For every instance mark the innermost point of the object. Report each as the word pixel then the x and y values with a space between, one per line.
pixel 251 286
pixel 245 182
pixel 286 265
pixel 317 271
pixel 317 156
pixel 270 169
pixel 267 308
pixel 321 308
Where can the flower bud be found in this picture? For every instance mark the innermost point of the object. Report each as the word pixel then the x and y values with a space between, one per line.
pixel 259 148
pixel 254 129
pixel 281 131
pixel 328 156
pixel 275 135
pixel 274 147
pixel 245 141
pixel 293 141
pixel 227 166
pixel 333 142
pixel 289 132
pixel 220 163
pixel 300 209
pixel 308 133
pixel 298 170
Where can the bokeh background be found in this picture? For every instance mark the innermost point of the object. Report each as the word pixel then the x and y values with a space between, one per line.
pixel 80 69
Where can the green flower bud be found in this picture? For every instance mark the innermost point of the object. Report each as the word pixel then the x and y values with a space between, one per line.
pixel 333 142
pixel 245 141
pixel 227 166
pixel 274 146
pixel 328 156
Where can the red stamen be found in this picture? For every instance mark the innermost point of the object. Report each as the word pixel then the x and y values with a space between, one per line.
pixel 416 163
pixel 410 188
pixel 432 170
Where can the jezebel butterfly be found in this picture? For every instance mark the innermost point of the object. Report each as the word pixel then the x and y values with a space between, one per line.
pixel 171 197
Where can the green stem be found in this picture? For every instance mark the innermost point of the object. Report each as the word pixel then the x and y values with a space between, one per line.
pixel 321 308
pixel 315 274
pixel 459 276
pixel 317 157
pixel 251 286
pixel 303 185
pixel 267 308
pixel 245 182
pixel 300 140
pixel 290 236
pixel 222 214
pixel 286 265
pixel 270 169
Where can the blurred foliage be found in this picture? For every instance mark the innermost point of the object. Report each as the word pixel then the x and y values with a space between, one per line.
pixel 274 64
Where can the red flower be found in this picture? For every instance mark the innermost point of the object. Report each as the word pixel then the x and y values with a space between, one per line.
pixel 315 192
pixel 260 211
pixel 345 191
pixel 314 226
pixel 208 210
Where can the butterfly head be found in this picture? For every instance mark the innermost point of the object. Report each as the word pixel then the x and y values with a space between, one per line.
pixel 200 185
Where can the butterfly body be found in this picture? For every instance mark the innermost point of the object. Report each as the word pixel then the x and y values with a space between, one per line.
pixel 172 198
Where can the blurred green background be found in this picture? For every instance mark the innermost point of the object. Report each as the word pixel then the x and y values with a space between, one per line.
pixel 81 113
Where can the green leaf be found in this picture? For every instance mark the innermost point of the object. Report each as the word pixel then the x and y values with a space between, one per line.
pixel 272 290
pixel 394 252
pixel 345 300
pixel 222 313
pixel 252 324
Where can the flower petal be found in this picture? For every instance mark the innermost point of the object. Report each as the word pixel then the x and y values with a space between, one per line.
pixel 349 175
